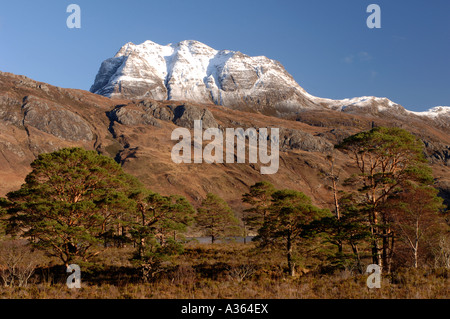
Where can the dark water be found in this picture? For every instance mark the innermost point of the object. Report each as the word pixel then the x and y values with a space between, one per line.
pixel 207 240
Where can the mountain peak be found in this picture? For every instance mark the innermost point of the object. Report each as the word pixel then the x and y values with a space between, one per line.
pixel 191 43
pixel 193 71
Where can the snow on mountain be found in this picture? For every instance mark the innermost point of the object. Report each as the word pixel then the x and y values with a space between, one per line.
pixel 378 105
pixel 434 112
pixel 192 71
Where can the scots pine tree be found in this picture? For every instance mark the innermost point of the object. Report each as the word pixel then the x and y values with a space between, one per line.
pixel 260 198
pixel 387 160
pixel 215 218
pixel 71 198
pixel 291 218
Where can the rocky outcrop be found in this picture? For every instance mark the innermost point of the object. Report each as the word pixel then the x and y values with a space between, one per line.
pixel 44 116
pixel 132 116
pixel 55 120
pixel 444 191
pixel 10 110
pixel 296 139
pixel 148 113
pixel 437 152
pixel 185 115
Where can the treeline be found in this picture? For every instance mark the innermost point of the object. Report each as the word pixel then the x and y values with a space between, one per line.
pixel 76 202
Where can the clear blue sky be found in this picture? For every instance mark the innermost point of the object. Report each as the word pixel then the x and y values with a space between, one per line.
pixel 324 44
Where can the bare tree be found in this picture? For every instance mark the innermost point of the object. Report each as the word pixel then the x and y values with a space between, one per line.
pixel 442 252
pixel 242 271
pixel 415 214
pixel 17 263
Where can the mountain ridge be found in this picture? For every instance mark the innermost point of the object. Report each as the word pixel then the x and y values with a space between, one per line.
pixel 193 71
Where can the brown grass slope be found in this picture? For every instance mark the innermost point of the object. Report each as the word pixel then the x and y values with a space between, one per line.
pixel 36 117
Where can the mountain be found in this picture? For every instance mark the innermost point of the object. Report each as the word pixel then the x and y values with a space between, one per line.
pixel 37 117
pixel 192 71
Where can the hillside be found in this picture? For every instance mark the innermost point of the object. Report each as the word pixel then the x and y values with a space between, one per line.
pixel 37 117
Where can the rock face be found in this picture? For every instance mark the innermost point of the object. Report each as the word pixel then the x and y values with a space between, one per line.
pixel 193 71
pixel 147 113
pixel 185 115
pixel 295 139
pixel 45 116
pixel 55 120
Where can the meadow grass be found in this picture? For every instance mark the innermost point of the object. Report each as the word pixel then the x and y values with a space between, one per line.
pixel 222 271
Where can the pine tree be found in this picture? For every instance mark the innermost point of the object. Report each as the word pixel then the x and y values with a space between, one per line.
pixel 69 201
pixel 260 198
pixel 158 218
pixel 349 229
pixel 290 219
pixel 215 218
pixel 387 159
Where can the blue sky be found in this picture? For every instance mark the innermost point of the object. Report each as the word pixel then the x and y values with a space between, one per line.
pixel 324 44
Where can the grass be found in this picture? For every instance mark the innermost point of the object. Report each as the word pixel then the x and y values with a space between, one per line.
pixel 219 271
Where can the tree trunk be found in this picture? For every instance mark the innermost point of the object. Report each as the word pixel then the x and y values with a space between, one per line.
pixel 384 247
pixel 416 254
pixel 374 247
pixel 291 265
pixel 376 250
pixel 416 246
pixel 358 258
pixel 391 252
pixel 336 202
pixel 141 247
pixel 416 257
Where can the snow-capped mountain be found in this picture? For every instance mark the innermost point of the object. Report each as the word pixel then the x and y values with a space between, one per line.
pixel 193 71
pixel 437 111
